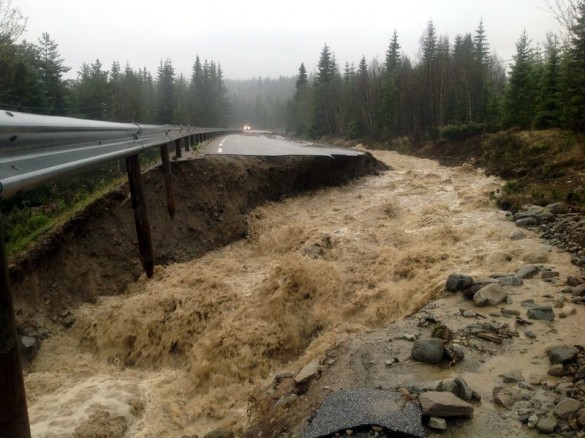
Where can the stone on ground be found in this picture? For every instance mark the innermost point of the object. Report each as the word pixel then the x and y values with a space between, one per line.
pixel 428 350
pixel 444 404
pixel 490 295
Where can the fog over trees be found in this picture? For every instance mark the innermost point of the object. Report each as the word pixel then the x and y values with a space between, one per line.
pixel 456 86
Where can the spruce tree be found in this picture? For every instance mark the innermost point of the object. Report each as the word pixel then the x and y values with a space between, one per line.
pixel 165 86
pixel 52 68
pixel 301 103
pixel 323 120
pixel 575 77
pixel 428 99
pixel 92 90
pixel 548 100
pixel 196 89
pixel 389 106
pixel 520 99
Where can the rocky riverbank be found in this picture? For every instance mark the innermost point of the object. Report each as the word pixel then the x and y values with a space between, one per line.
pixel 322 313
pixel 497 355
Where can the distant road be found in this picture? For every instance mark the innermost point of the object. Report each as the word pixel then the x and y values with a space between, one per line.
pixel 266 145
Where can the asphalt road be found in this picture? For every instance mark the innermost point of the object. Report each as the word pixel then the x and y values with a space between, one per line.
pixel 266 145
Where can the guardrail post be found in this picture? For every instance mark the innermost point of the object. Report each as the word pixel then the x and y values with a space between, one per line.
pixel 13 410
pixel 166 165
pixel 140 214
pixel 187 143
pixel 178 150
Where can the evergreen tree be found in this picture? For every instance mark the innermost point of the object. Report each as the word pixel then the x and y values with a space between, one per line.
pixel 115 83
pixel 132 97
pixel 182 110
pixel 223 102
pixel 464 62
pixel 27 87
pixel 92 89
pixel 148 92
pixel 210 102
pixel 326 115
pixel 389 106
pixel 428 82
pixel 165 89
pixel 481 46
pixel 8 50
pixel 365 99
pixel 549 91
pixel 575 72
pixel 52 69
pixel 301 103
pixel 480 89
pixel 197 86
pixel 520 99
pixel 443 70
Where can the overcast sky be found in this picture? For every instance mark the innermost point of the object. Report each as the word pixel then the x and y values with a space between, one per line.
pixel 267 38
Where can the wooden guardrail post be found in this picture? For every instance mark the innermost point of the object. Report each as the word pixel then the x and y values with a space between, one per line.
pixel 13 410
pixel 140 214
pixel 178 150
pixel 187 143
pixel 166 165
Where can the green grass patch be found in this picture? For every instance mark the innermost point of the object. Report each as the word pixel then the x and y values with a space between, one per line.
pixel 24 226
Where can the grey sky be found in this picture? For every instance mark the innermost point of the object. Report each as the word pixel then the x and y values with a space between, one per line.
pixel 267 38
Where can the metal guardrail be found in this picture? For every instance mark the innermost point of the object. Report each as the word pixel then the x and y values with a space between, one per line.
pixel 36 148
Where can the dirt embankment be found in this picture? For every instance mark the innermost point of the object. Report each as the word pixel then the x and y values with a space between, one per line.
pixel 540 167
pixel 96 253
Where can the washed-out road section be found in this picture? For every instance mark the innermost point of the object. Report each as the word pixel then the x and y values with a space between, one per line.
pixel 268 145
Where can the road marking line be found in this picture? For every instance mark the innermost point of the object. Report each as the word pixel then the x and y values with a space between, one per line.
pixel 219 149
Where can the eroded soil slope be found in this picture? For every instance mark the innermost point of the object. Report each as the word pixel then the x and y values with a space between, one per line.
pixel 96 253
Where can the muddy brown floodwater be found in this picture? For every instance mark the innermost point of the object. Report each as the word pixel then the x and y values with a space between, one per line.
pixel 181 354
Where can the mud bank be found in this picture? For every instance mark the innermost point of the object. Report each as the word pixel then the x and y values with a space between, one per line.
pixel 96 253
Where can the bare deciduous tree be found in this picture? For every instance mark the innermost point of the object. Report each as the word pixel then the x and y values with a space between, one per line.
pixel 12 22
pixel 565 12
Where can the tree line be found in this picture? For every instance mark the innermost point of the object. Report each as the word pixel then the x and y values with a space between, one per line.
pixel 32 80
pixel 454 89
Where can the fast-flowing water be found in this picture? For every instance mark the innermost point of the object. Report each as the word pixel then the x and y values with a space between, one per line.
pixel 182 353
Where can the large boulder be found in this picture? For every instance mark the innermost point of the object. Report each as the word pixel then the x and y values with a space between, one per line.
pixel 566 408
pixel 561 354
pixel 457 282
pixel 558 208
pixel 541 313
pixel 490 295
pixel 428 350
